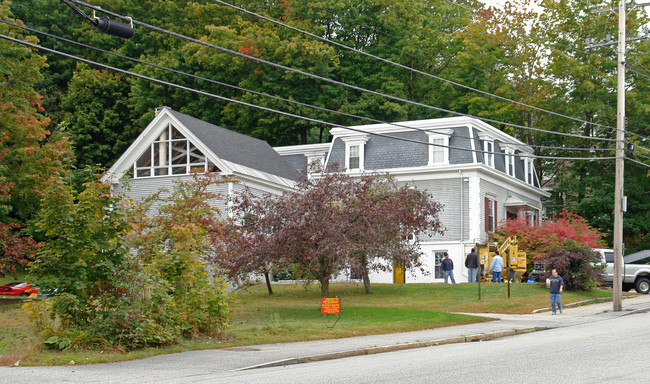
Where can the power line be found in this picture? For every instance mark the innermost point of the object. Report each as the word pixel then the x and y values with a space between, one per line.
pixel 543 147
pixel 406 67
pixel 638 162
pixel 283 67
pixel 162 82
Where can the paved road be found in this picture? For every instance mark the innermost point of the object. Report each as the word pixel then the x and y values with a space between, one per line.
pixel 609 351
pixel 221 365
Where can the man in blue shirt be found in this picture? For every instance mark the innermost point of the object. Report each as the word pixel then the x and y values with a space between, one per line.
pixel 555 283
pixel 447 269
pixel 496 267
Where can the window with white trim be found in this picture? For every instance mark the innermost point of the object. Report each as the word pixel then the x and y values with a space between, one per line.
pixel 354 152
pixel 438 256
pixel 439 150
pixel 488 155
pixel 510 161
pixel 170 154
pixel 529 171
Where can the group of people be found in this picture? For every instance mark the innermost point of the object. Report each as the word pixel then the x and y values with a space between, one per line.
pixel 472 265
pixel 555 283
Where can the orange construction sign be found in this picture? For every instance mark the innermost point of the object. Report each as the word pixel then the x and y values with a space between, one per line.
pixel 330 305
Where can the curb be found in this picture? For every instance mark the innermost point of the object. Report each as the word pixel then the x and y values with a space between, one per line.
pixel 577 304
pixel 396 347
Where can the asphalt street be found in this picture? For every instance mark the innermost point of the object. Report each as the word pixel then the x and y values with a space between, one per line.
pixel 542 331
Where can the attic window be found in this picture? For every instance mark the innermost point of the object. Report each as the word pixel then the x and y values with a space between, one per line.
pixel 170 154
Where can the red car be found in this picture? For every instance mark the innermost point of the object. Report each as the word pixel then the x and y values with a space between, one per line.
pixel 19 289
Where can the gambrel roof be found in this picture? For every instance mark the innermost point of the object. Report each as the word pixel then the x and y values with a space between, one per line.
pixel 233 153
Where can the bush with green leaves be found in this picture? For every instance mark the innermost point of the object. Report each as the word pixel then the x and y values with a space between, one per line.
pixel 109 295
pixel 577 263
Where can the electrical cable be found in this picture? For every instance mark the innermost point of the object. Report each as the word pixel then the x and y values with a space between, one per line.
pixel 162 82
pixel 543 147
pixel 637 162
pixel 406 67
pixel 283 67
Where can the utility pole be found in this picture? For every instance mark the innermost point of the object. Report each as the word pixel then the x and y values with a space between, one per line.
pixel 620 152
pixel 620 145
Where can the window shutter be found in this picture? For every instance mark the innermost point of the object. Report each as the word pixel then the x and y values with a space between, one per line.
pixel 495 216
pixel 487 214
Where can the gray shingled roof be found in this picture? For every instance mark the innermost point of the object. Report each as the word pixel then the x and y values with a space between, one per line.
pixel 238 148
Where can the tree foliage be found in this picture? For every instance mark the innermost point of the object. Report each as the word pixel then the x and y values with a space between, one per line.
pixel 29 155
pixel 536 241
pixel 332 224
pixel 577 263
pixel 531 51
pixel 108 295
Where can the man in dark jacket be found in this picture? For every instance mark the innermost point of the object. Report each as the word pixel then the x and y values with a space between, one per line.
pixel 447 269
pixel 471 263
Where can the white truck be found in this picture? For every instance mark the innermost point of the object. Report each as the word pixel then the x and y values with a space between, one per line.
pixel 636 273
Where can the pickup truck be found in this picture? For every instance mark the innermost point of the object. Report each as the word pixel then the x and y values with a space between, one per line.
pixel 636 274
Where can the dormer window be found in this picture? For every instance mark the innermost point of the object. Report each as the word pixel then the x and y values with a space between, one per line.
pixel 170 154
pixel 439 147
pixel 355 152
pixel 510 161
pixel 529 171
pixel 488 155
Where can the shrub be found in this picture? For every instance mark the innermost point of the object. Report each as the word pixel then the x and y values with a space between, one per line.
pixel 110 295
pixel 577 263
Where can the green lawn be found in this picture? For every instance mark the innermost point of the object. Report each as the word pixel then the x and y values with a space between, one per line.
pixel 292 313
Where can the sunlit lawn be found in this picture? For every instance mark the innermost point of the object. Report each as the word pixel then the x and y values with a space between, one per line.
pixel 292 313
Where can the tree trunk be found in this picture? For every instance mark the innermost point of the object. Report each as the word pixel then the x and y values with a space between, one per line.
pixel 325 286
pixel 366 280
pixel 268 283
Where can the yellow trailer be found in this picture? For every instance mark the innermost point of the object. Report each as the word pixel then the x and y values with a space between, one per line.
pixel 514 261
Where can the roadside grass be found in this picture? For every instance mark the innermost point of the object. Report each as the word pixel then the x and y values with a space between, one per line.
pixel 292 314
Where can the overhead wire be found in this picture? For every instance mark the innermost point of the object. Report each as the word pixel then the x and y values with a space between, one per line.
pixel 628 66
pixel 286 68
pixel 162 82
pixel 340 45
pixel 433 130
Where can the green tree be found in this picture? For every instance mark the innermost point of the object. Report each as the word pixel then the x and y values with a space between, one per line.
pixel 29 154
pixel 96 107
pixel 178 239
pixel 162 292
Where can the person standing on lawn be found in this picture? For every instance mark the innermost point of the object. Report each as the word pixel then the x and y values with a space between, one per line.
pixel 555 283
pixel 447 269
pixel 496 267
pixel 471 262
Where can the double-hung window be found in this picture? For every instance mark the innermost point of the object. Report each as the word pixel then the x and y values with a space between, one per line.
pixel 530 171
pixel 490 214
pixel 510 161
pixel 488 148
pixel 355 152
pixel 439 147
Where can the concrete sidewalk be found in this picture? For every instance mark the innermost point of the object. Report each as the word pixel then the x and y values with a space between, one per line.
pixel 504 325
pixel 178 367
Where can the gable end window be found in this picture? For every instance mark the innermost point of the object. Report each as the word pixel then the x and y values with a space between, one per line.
pixel 170 154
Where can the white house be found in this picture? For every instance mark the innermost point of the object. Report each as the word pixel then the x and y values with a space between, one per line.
pixel 480 174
